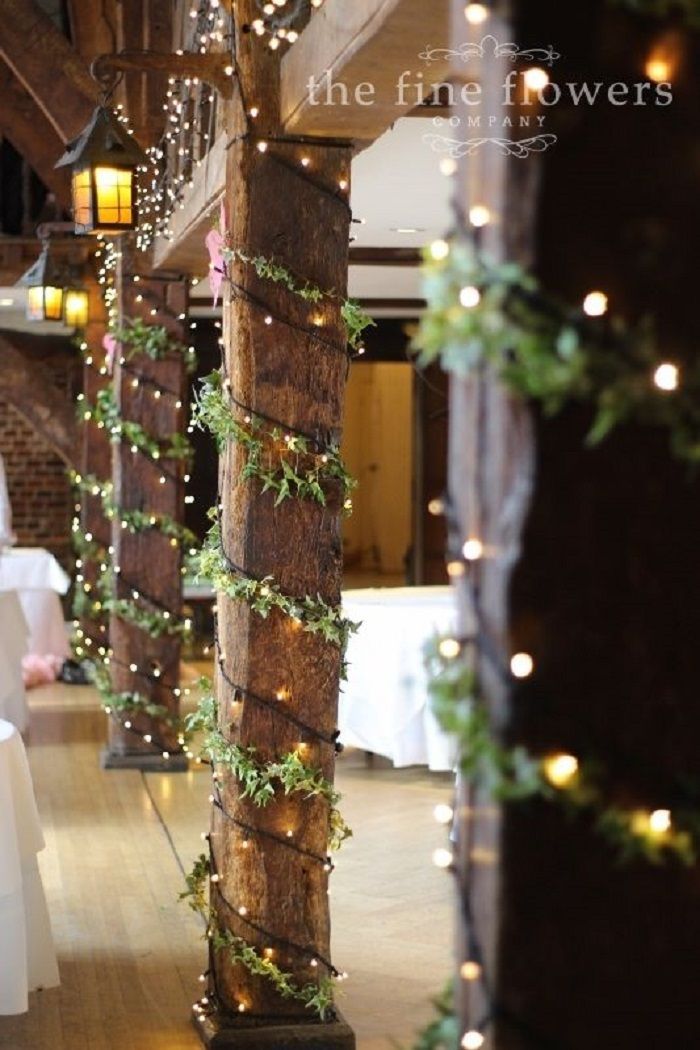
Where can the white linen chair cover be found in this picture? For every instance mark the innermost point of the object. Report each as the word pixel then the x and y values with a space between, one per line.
pixel 27 955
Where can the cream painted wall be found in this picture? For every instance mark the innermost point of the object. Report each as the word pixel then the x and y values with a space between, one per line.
pixel 378 448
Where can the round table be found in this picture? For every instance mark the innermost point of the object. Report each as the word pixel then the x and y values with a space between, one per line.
pixel 38 579
pixel 13 645
pixel 384 703
pixel 27 955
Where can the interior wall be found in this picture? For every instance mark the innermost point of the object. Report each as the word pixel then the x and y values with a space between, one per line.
pixel 378 449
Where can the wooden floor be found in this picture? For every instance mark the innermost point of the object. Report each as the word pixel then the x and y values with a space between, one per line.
pixel 129 954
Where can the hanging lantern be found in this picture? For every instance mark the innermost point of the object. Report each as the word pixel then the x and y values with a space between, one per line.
pixel 75 307
pixel 104 159
pixel 45 282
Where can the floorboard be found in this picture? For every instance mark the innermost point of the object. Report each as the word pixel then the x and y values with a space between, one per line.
pixel 129 953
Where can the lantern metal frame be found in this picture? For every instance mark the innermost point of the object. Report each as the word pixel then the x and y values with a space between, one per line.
pixel 45 273
pixel 104 144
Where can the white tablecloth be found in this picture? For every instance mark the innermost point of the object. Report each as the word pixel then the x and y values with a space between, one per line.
pixel 14 633
pixel 27 955
pixel 38 578
pixel 384 703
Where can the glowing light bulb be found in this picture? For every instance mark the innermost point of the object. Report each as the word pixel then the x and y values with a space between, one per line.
pixel 448 166
pixel 472 1040
pixel 470 297
pixel 436 507
pixel 658 69
pixel 479 215
pixel 522 665
pixel 535 78
pixel 473 549
pixel 666 377
pixel 476 14
pixel 439 250
pixel 470 971
pixel 443 813
pixel 560 769
pixel 455 569
pixel 442 858
pixel 660 821
pixel 595 304
pixel 449 648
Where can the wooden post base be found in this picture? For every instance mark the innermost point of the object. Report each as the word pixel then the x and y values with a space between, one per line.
pixel 142 760
pixel 223 1033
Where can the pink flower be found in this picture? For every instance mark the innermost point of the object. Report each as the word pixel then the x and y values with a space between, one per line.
pixel 215 240
pixel 110 344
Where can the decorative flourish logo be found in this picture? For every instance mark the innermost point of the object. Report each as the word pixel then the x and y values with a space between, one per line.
pixel 456 148
pixel 489 47
pixel 464 52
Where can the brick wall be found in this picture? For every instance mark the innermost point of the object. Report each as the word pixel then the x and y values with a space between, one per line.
pixel 36 478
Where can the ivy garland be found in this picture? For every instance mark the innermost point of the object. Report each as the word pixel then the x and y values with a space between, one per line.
pixel 133 520
pixel 355 319
pixel 544 351
pixel 286 463
pixel 260 781
pixel 512 774
pixel 135 337
pixel 316 997
pixel 264 595
pixel 105 412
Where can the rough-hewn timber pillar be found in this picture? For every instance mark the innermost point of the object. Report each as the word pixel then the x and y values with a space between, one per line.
pixel 286 359
pixel 491 452
pixel 146 656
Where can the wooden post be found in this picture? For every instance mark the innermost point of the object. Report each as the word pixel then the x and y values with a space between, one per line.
pixel 149 563
pixel 280 365
pixel 491 462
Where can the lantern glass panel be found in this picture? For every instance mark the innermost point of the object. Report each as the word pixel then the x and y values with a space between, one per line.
pixel 75 308
pixel 44 303
pixel 82 197
pixel 114 197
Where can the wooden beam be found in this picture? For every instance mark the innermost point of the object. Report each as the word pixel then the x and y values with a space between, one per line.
pixel 53 73
pixel 44 406
pixel 32 135
pixel 18 253
pixel 363 42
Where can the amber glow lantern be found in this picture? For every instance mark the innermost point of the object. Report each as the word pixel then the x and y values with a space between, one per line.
pixel 75 307
pixel 45 282
pixel 104 161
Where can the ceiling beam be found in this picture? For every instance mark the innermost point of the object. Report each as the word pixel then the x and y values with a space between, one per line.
pixel 53 73
pixel 26 127
pixel 43 405
pixel 366 45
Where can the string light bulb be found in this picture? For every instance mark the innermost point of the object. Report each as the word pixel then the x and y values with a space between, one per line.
pixel 666 377
pixel 660 821
pixel 470 297
pixel 595 304
pixel 470 971
pixel 522 665
pixel 472 1040
pixel 439 250
pixel 479 215
pixel 560 769
pixel 473 549
pixel 535 78
pixel 449 648
pixel 442 858
pixel 476 14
